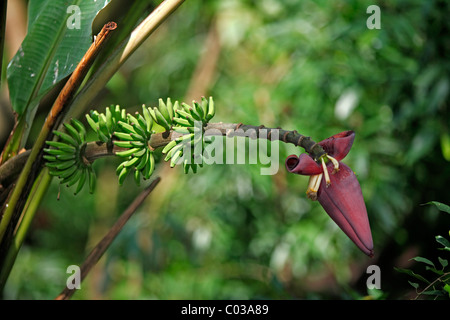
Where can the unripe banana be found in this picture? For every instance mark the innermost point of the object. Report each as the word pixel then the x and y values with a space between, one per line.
pixel 63 165
pixel 62 146
pixel 49 157
pixel 199 110
pixel 109 120
pixel 127 153
pixel 137 177
pixel 131 162
pixel 148 118
pixel 183 122
pixel 124 136
pixel 205 106
pixel 137 144
pixel 177 155
pixel 169 146
pixel 65 157
pixel 81 180
pixel 123 144
pixel 127 127
pixel 80 129
pixel 135 123
pixel 73 133
pixel 162 107
pixel 123 174
pixel 140 153
pixel 92 123
pixel 211 109
pixel 143 161
pixel 55 152
pixel 172 151
pixel 66 138
pixel 159 119
pixel 70 181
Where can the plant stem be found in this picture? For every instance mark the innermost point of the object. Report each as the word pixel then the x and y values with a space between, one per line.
pixel 96 150
pixel 101 247
pixel 37 193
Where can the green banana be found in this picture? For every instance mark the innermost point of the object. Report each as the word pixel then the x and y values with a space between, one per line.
pixel 177 155
pixel 122 144
pixel 62 174
pixel 92 122
pixel 103 126
pixel 211 109
pixel 137 127
pixel 183 122
pixel 71 180
pixel 109 120
pixel 130 163
pixel 205 106
pixel 162 107
pixel 80 129
pixel 123 174
pixel 65 157
pixel 81 180
pixel 66 138
pixel 149 167
pixel 143 161
pixel 137 177
pixel 159 119
pixel 140 153
pixel 49 158
pixel 138 144
pixel 62 146
pixel 170 107
pixel 119 168
pixel 127 127
pixel 187 116
pixel 127 153
pixel 172 151
pixel 63 165
pixel 124 136
pixel 73 133
pixel 148 118
pixel 199 110
pixel 169 146
pixel 54 152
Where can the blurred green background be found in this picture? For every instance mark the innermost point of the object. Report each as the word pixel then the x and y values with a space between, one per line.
pixel 229 232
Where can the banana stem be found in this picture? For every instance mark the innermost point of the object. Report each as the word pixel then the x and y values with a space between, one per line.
pixel 96 150
pixel 37 193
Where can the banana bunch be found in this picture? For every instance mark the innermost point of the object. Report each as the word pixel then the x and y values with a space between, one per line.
pixel 164 113
pixel 188 115
pixel 135 134
pixel 189 120
pixel 105 124
pixel 65 157
pixel 131 133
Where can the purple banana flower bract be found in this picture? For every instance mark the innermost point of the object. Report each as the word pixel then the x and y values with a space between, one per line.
pixel 338 189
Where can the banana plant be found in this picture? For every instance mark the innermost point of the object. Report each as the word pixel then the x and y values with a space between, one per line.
pixel 69 53
pixel 62 150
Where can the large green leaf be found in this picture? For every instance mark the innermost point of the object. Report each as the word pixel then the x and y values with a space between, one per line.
pixel 52 48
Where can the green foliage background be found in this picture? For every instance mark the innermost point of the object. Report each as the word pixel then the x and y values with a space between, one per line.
pixel 229 232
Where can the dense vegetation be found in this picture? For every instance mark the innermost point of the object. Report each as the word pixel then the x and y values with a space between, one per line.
pixel 230 232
